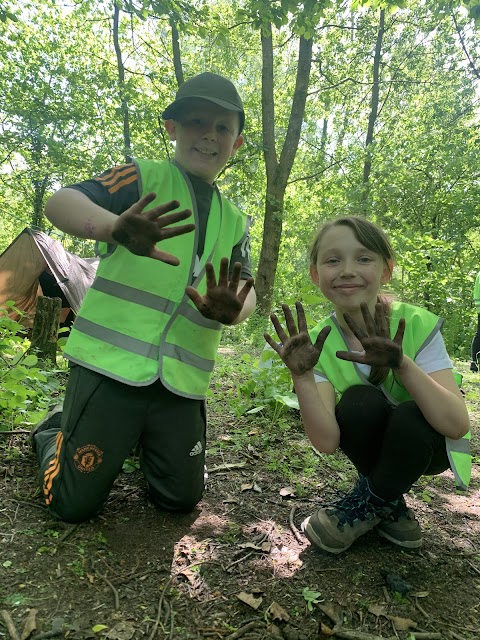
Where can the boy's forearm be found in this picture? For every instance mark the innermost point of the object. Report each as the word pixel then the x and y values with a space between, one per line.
pixel 443 410
pixel 74 213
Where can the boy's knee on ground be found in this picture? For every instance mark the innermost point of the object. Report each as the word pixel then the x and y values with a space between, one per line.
pixel 72 512
pixel 179 501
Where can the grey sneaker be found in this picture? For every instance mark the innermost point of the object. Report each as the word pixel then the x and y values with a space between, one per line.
pixel 400 526
pixel 52 420
pixel 335 529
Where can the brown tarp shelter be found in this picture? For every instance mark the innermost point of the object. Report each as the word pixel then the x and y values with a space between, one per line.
pixel 35 264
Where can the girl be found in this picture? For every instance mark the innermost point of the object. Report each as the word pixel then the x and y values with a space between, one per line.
pixel 400 413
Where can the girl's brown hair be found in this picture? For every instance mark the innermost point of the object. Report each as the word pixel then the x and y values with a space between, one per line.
pixel 374 239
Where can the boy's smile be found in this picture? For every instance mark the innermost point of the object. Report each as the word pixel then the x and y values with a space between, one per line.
pixel 206 136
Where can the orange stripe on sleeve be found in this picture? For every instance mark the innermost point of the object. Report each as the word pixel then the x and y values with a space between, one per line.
pixel 118 174
pixel 123 183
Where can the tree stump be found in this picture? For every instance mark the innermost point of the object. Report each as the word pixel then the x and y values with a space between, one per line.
pixel 45 328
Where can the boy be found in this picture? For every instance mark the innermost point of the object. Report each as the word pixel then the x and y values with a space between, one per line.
pixel 144 342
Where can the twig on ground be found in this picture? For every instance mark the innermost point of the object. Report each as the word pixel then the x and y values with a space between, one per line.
pixel 232 564
pixel 159 609
pixel 17 432
pixel 7 618
pixel 295 531
pixel 421 609
pixel 66 534
pixel 473 567
pixel 242 631
pixel 115 592
pixel 227 467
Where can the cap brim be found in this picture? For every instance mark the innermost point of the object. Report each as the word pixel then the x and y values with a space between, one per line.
pixel 172 108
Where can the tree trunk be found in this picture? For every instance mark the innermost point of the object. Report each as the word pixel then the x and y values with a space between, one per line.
pixel 177 56
pixel 45 328
pixel 278 170
pixel 367 165
pixel 127 144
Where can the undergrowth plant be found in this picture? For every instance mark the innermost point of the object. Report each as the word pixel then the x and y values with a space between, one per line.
pixel 269 385
pixel 26 383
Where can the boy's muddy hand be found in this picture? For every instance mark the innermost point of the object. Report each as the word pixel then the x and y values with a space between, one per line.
pixel 139 231
pixel 297 350
pixel 222 301
pixel 379 349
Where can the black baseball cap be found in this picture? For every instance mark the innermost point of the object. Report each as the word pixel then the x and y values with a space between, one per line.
pixel 208 86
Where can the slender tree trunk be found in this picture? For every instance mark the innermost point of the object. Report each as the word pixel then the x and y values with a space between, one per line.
pixel 122 90
pixel 278 170
pixel 177 56
pixel 367 166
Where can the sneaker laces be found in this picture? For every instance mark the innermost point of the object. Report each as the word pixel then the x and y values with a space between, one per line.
pixel 399 510
pixel 357 504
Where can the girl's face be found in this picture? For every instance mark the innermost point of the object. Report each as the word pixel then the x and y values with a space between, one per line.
pixel 348 273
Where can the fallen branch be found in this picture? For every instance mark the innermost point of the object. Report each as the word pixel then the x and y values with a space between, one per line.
pixel 17 432
pixel 242 631
pixel 227 467
pixel 115 592
pixel 7 618
pixel 295 531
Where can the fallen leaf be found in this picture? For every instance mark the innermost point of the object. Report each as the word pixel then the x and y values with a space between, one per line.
pixel 30 624
pixel 277 612
pixel 121 631
pixel 287 492
pixel 326 631
pixel 251 486
pixel 99 627
pixel 377 610
pixel 334 611
pixel 249 599
pixel 402 624
pixel 274 631
pixel 421 594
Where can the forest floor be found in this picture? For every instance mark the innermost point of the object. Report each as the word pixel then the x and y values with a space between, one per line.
pixel 237 567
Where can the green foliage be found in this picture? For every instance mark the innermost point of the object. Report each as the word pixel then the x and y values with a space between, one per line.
pixel 26 386
pixel 311 597
pixel 270 385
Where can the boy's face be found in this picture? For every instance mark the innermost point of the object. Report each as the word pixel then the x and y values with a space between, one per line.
pixel 206 136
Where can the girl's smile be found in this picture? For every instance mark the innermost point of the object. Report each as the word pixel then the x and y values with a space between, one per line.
pixel 347 272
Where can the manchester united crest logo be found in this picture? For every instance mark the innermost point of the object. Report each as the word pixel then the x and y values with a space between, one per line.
pixel 88 458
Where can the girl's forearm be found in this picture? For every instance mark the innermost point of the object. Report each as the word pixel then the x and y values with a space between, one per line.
pixel 74 213
pixel 320 424
pixel 443 409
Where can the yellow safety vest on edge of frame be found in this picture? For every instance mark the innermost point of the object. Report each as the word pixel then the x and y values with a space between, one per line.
pixel 136 324
pixel 421 327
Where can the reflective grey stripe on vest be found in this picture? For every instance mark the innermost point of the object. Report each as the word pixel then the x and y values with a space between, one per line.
pixel 196 317
pixel 458 446
pixel 182 355
pixel 134 345
pixel 131 294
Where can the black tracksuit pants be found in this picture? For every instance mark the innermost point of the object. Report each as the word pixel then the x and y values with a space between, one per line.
pixel 102 422
pixel 393 446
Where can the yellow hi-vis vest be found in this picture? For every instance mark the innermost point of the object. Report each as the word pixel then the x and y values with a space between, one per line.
pixel 136 323
pixel 421 326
